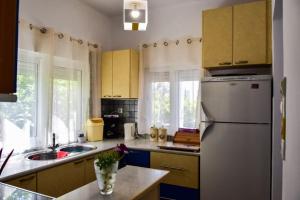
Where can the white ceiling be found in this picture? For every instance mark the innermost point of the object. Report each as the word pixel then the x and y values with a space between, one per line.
pixel 115 7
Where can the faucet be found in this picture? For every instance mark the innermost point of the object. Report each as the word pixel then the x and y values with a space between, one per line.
pixel 54 146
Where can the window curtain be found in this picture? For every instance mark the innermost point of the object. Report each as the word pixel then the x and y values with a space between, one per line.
pixel 95 74
pixel 66 89
pixel 169 71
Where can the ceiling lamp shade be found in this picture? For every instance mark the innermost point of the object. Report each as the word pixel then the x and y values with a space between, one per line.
pixel 135 15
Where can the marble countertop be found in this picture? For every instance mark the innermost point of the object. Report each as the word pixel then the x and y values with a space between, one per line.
pixel 131 183
pixel 19 165
pixel 11 192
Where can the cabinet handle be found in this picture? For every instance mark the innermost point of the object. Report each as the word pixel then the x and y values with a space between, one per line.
pixel 242 62
pixel 165 198
pixel 173 168
pixel 78 162
pixel 225 63
pixel 26 179
pixel 107 95
pixel 117 95
pixel 88 159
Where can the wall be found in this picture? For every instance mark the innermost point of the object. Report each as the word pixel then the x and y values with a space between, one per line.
pixel 69 16
pixel 172 22
pixel 291 32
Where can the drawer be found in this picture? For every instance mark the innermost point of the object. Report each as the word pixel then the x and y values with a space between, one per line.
pixel 184 170
pixel 27 182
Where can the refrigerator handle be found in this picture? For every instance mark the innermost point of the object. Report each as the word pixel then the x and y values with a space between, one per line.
pixel 206 121
pixel 203 129
pixel 205 116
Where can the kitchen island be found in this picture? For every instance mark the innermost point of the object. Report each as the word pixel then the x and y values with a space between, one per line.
pixel 9 192
pixel 132 183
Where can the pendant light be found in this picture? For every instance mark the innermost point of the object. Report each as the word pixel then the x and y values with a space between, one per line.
pixel 135 15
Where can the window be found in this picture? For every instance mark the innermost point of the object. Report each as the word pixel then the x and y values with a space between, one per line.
pixel 67 103
pixel 174 98
pixel 18 121
pixel 188 97
pixel 161 103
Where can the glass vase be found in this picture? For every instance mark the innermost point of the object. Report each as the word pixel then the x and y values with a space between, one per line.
pixel 106 178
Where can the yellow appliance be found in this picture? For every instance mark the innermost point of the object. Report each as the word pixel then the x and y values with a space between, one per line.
pixel 95 129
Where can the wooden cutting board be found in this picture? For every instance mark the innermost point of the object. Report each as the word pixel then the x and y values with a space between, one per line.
pixel 187 138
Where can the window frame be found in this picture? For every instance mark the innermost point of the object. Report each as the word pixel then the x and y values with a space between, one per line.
pixel 64 63
pixel 35 59
pixel 174 78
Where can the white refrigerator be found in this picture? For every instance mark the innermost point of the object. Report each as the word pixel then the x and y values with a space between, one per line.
pixel 236 125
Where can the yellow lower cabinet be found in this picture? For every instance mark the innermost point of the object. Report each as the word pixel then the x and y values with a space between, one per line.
pixel 27 182
pixel 90 175
pixel 61 179
pixel 184 169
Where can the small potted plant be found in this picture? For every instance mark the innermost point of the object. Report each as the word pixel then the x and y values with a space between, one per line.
pixel 106 167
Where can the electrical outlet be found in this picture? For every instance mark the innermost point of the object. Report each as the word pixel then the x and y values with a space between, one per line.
pixel 120 110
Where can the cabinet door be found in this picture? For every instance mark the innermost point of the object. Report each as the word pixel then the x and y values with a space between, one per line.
pixel 136 158
pixel 249 33
pixel 269 32
pixel 121 74
pixel 59 180
pixel 184 170
pixel 90 175
pixel 134 74
pixel 8 45
pixel 107 74
pixel 217 37
pixel 27 182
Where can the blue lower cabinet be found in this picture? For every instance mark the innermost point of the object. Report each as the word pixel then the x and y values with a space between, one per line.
pixel 168 192
pixel 137 158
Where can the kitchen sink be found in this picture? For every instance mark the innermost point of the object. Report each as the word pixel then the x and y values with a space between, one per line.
pixel 77 148
pixel 62 152
pixel 47 155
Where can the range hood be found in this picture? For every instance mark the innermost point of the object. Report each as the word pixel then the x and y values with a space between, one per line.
pixel 8 98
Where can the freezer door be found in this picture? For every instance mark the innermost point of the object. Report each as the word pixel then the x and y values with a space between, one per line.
pixel 235 162
pixel 237 101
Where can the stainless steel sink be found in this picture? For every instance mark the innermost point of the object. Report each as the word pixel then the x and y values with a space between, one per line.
pixel 62 152
pixel 77 148
pixel 47 155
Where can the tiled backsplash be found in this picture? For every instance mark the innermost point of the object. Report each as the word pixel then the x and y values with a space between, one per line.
pixel 124 108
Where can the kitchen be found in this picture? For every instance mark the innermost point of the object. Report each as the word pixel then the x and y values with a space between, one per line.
pixel 80 70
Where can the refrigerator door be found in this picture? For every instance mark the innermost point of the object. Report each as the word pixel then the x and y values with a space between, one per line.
pixel 237 101
pixel 235 162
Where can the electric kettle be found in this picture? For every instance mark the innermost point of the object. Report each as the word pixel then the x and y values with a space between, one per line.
pixel 129 129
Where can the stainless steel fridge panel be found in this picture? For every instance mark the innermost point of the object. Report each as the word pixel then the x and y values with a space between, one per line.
pixel 237 101
pixel 235 162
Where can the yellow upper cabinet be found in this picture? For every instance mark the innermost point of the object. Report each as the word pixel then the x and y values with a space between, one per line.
pixel 269 32
pixel 250 33
pixel 107 74
pixel 134 75
pixel 238 35
pixel 217 37
pixel 120 74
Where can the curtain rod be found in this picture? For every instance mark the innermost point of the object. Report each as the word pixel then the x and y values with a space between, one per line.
pixel 166 43
pixel 44 30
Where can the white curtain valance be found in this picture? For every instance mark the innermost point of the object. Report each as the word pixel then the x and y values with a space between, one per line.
pixel 184 53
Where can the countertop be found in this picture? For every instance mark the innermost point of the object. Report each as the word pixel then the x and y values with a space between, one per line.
pixel 10 193
pixel 19 165
pixel 131 183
